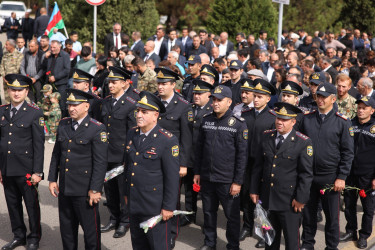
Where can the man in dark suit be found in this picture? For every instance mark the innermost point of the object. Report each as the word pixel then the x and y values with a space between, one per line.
pixel 152 175
pixel 41 23
pixel 113 39
pixel 12 25
pixel 150 54
pixel 282 175
pixel 185 40
pixel 138 46
pixel 79 161
pixel 167 45
pixel 58 69
pixel 225 46
pixel 118 116
pixel 27 27
pixel 326 66
pixel 21 153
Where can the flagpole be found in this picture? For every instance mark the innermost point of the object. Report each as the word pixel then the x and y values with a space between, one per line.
pixel 66 33
pixel 95 19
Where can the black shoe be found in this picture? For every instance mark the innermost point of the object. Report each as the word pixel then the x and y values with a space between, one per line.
pixel 14 244
pixel 244 234
pixel 349 237
pixel 260 244
pixel 173 243
pixel 186 220
pixel 32 246
pixel 319 216
pixel 120 232
pixel 362 243
pixel 204 247
pixel 109 227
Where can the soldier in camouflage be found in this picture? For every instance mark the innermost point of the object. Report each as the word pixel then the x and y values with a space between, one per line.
pixel 10 63
pixel 44 101
pixel 345 102
pixel 53 116
pixel 146 76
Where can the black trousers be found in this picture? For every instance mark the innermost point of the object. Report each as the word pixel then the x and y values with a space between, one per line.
pixel 175 220
pixel 350 199
pixel 214 193
pixel 114 192
pixel 64 108
pixel 34 92
pixel 247 205
pixel 288 222
pixel 331 208
pixel 157 238
pixel 75 211
pixel 190 195
pixel 16 189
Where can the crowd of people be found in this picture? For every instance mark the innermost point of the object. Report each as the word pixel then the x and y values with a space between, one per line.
pixel 237 123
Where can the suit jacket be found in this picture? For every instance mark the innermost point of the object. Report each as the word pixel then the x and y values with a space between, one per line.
pixel 95 106
pixel 182 60
pixel 152 172
pixel 188 42
pixel 109 42
pixel 154 57
pixel 12 33
pixel 27 28
pixel 22 140
pixel 333 73
pixel 40 25
pixel 164 48
pixel 79 157
pixel 139 49
pixel 280 176
pixel 61 68
pixel 230 47
pixel 118 120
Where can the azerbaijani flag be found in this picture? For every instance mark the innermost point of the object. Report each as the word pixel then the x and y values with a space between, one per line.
pixel 55 21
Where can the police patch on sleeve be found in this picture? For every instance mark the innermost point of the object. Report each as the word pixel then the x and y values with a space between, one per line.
pixel 351 131
pixel 175 151
pixel 41 121
pixel 309 150
pixel 103 136
pixel 245 134
pixel 190 116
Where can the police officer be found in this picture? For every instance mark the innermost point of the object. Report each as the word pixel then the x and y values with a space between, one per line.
pixel 79 161
pixel 362 173
pixel 247 96
pixel 118 115
pixel 82 81
pixel 209 74
pixel 282 175
pixel 308 103
pixel 21 153
pixel 258 119
pixel 202 106
pixel 289 94
pixel 236 69
pixel 177 119
pixel 194 67
pixel 221 155
pixel 152 175
pixel 333 144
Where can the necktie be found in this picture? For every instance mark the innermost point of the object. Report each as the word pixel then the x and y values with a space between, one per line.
pixel 146 58
pixel 113 102
pixel 165 103
pixel 74 125
pixel 256 113
pixel 14 111
pixel 322 116
pixel 281 140
pixel 197 110
pixel 116 37
pixel 141 139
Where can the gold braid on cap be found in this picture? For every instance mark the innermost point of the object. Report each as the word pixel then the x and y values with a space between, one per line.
pixel 16 83
pixel 284 112
pixel 144 101
pixel 260 87
pixel 76 76
pixel 289 89
pixel 72 98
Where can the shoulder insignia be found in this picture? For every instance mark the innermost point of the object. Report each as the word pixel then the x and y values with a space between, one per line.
pixel 136 91
pixel 311 112
pixel 207 114
pixel 302 136
pixel 182 100
pixel 239 117
pixel 166 133
pixel 33 105
pixel 108 96
pixel 269 131
pixel 95 122
pixel 272 112
pixel 135 127
pixel 5 105
pixel 342 116
pixel 130 99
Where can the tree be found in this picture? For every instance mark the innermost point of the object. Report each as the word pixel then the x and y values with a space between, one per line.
pixel 140 15
pixel 359 14
pixel 312 15
pixel 247 16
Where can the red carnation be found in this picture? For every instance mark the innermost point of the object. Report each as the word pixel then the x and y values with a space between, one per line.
pixel 28 176
pixel 196 187
pixel 48 73
pixel 29 183
pixel 362 193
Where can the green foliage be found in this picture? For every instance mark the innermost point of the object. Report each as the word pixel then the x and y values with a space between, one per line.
pixel 140 15
pixel 359 14
pixel 312 15
pixel 247 16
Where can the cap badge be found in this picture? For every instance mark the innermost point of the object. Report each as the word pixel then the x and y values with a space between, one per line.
pixel 315 77
pixel 197 87
pixel 191 58
pixel 111 74
pixel 217 90
pixel 364 99
pixel 160 74
pixel 288 87
pixel 323 89
pixel 205 70
pixel 71 97
pixel 76 75
pixel 16 83
pixel 283 111
pixel 144 100
pixel 234 63
pixel 258 86
pixel 246 84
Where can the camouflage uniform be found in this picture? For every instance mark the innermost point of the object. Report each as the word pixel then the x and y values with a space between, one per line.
pixel 53 116
pixel 147 81
pixel 347 106
pixel 10 64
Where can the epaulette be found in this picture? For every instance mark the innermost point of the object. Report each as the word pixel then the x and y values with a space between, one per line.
pixel 342 116
pixel 108 96
pixel 136 91
pixel 166 133
pixel 207 114
pixel 311 112
pixel 182 100
pixel 135 127
pixel 247 109
pixel 95 122
pixel 65 118
pixel 130 99
pixel 272 112
pixel 300 135
pixel 4 105
pixel 96 96
pixel 239 117
pixel 33 105
pixel 269 131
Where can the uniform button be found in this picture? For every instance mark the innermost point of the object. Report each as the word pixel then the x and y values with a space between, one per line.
pixel 154 189
pixel 108 133
pixel 68 150
pixel 132 174
pixel 109 125
pixel 131 184
pixel 70 141
pixel 135 164
pixel 109 117
pixel 159 118
pixel 275 156
pixel 10 133
pixel 123 144
pixel 271 184
pixel 272 175
pixel 8 152
pixel 136 153
pixel 80 141
pixel 67 160
pixel 85 172
pixel 9 142
pixel 11 124
pixel 66 170
pixel 274 165
pixel 195 121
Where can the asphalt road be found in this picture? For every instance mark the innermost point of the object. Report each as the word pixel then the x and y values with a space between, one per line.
pixel 190 237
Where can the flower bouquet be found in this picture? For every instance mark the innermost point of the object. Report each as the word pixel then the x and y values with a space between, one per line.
pixel 150 223
pixel 113 173
pixel 361 192
pixel 262 225
pixel 30 182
